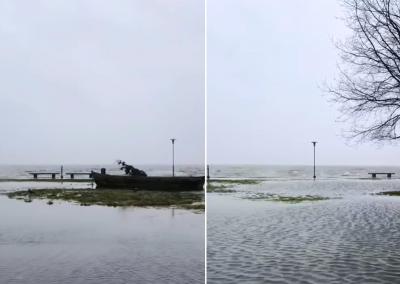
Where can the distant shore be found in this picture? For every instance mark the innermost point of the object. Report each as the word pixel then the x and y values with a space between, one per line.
pixel 43 180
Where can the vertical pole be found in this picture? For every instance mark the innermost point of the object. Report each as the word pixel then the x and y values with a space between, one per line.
pixel 62 172
pixel 314 143
pixel 173 156
pixel 314 162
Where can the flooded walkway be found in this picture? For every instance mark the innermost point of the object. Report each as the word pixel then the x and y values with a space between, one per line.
pixel 67 243
pixel 350 238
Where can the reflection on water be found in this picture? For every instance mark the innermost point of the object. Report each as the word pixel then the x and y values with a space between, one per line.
pixel 67 243
pixel 354 239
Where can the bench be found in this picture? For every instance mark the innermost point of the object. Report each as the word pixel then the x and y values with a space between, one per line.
pixel 36 174
pixel 389 175
pixel 72 175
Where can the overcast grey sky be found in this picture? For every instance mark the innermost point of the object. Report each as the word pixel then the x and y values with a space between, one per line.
pixel 266 63
pixel 91 81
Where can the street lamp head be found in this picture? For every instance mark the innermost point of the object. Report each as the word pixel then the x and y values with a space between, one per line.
pixel 314 142
pixel 173 140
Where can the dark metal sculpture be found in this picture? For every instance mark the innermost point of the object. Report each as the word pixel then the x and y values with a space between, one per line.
pixel 131 170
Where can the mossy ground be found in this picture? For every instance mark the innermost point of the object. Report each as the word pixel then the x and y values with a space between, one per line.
pixel 221 188
pixel 235 181
pixel 225 185
pixel 283 198
pixel 87 197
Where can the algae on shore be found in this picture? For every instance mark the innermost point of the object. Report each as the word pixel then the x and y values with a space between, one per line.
pixel 283 198
pixel 221 188
pixel 225 185
pixel 87 197
pixel 235 181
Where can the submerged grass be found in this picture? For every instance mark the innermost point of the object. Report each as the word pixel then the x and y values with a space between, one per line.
pixel 87 197
pixel 225 185
pixel 236 181
pixel 221 188
pixel 283 198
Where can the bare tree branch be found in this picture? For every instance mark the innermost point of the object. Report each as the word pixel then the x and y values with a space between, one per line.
pixel 368 87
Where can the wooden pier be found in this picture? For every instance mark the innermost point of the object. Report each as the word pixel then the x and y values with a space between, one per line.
pixel 37 174
pixel 57 180
pixel 374 174
pixel 52 176
pixel 72 175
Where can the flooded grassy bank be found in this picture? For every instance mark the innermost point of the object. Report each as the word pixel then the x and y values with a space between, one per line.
pixel 115 198
pixel 227 185
pixel 240 185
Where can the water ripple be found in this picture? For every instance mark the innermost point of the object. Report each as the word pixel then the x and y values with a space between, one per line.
pixel 350 240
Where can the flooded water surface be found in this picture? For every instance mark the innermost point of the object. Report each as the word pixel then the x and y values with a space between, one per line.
pixel 68 243
pixel 349 235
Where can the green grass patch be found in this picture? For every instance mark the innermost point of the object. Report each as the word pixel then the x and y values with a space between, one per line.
pixel 235 181
pixel 283 198
pixel 225 185
pixel 220 188
pixel 87 197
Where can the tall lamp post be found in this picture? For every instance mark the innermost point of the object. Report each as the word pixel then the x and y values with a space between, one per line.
pixel 314 143
pixel 173 156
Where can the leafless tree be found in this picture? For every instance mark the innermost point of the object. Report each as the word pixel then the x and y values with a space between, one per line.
pixel 368 88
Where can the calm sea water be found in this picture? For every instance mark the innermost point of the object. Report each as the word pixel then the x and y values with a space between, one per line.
pixel 298 172
pixel 354 237
pixel 67 243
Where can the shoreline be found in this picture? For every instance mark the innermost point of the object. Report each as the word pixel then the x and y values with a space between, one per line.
pixel 44 180
pixel 114 198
